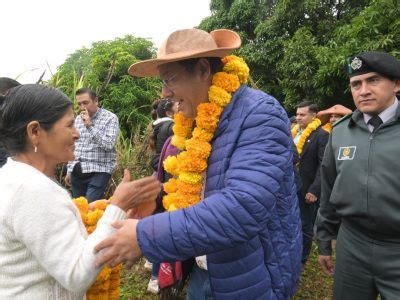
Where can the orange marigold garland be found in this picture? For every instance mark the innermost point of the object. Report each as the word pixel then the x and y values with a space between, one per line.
pixel 108 281
pixel 190 165
pixel 327 127
pixel 306 133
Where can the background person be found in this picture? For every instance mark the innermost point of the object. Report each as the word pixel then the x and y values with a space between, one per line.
pixel 45 252
pixel 95 155
pixel 162 114
pixel 331 115
pixel 310 140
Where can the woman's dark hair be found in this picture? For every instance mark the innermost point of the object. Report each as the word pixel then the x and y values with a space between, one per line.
pixel 6 84
pixel 164 106
pixel 216 64
pixel 154 107
pixel 160 107
pixel 27 103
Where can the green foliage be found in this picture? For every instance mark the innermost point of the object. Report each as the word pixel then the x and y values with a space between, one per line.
pixel 296 49
pixel 103 67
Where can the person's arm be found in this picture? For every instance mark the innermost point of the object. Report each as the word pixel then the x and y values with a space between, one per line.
pixel 105 135
pixel 239 211
pixel 48 223
pixel 328 221
pixel 322 140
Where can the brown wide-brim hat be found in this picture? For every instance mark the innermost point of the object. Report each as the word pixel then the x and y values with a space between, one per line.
pixel 338 109
pixel 186 44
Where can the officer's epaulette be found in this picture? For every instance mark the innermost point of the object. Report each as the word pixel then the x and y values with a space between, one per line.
pixel 342 119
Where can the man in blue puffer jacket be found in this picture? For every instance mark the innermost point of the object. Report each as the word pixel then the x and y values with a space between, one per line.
pixel 248 224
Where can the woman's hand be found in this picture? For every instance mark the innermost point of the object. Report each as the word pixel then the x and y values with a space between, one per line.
pixel 133 194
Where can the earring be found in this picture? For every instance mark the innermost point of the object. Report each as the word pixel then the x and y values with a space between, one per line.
pixel 35 149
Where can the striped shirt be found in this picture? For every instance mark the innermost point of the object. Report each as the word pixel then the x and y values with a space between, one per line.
pixel 95 149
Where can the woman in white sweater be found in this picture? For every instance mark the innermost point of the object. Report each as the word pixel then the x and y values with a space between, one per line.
pixel 45 252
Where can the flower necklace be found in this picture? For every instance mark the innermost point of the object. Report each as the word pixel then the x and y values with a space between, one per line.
pixel 107 283
pixel 189 166
pixel 327 127
pixel 305 134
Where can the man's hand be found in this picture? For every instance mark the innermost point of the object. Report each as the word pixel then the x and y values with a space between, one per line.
pixel 311 198
pixel 87 121
pixel 326 264
pixel 121 246
pixel 135 194
pixel 141 211
pixel 67 179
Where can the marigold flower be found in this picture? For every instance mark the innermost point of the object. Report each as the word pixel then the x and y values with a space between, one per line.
pixel 187 188
pixel 171 165
pixel 101 204
pixel 227 82
pixel 208 116
pixel 90 229
pixel 170 186
pixel 306 133
pixel 93 216
pixel 199 149
pixel 191 178
pixel 178 142
pixel 182 126
pixel 201 134
pixel 236 65
pixel 82 204
pixel 186 163
pixel 219 96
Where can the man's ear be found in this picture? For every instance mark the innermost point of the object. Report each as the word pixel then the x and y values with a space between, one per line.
pixel 204 67
pixel 33 132
pixel 397 86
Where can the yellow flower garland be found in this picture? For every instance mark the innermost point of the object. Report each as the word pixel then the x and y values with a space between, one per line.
pixel 190 165
pixel 306 133
pixel 107 283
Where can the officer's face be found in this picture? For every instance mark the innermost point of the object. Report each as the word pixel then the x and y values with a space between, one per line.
pixel 373 93
pixel 304 116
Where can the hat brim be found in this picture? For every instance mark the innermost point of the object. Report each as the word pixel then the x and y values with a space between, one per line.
pixel 226 41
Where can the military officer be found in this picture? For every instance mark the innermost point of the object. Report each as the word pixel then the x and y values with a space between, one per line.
pixel 360 197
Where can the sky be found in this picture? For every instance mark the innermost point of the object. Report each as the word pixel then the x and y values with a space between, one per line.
pixel 39 35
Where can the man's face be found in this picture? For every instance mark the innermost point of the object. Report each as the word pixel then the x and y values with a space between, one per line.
pixel 334 117
pixel 304 117
pixel 188 89
pixel 85 102
pixel 373 93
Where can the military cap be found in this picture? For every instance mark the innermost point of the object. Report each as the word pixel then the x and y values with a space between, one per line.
pixel 374 61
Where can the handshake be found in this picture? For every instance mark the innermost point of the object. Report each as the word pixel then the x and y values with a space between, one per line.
pixel 137 199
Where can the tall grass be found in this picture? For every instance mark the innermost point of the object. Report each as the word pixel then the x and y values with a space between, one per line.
pixel 134 154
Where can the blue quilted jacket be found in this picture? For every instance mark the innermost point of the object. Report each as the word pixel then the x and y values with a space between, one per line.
pixel 248 224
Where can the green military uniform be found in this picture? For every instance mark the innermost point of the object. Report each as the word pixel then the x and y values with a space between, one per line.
pixel 360 206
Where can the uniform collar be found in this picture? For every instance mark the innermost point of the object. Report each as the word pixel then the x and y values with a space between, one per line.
pixel 388 114
pixel 392 112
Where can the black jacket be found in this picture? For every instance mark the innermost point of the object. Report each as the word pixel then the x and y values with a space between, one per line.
pixel 310 162
pixel 161 132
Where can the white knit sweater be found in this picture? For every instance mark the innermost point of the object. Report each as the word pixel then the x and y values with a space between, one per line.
pixel 45 252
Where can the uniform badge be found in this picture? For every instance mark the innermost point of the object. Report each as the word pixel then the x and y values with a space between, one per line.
pixel 356 63
pixel 347 153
